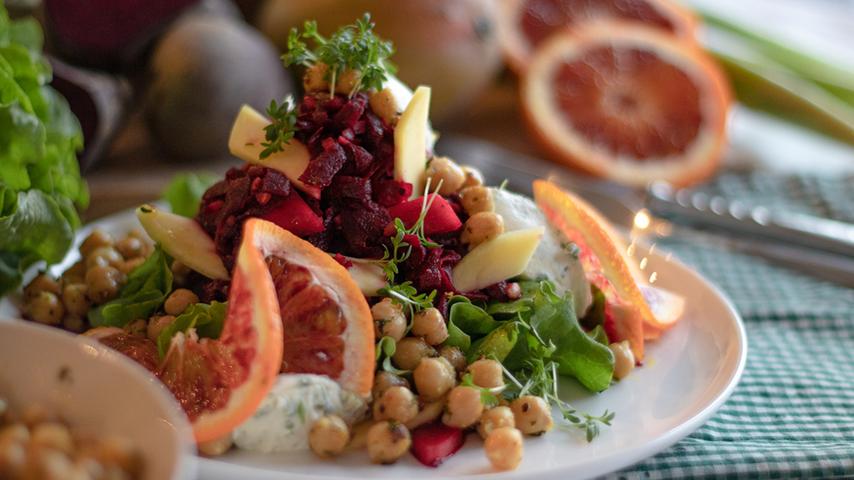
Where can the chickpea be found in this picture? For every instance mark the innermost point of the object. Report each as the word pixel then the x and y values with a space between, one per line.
pixel 387 442
pixel 454 356
pixel 217 446
pixel 384 380
pixel 315 78
pixel 98 238
pixel 410 351
pixel 75 300
pixel 74 323
pixel 46 463
pixel 533 415
pixel 430 324
pixel 137 327
pixel 347 80
pixel 104 256
pixel 52 435
pixel 427 413
pixel 16 432
pixel 503 448
pixel 13 456
pixel 131 247
pixel 359 435
pixel 473 177
pixel 384 105
pixel 75 274
pixel 434 377
pixel 328 436
pixel 45 308
pixel 624 359
pixel 389 319
pixel 481 227
pixel 130 264
pixel 396 403
pixel 477 199
pixel 157 324
pixel 36 414
pixel 117 452
pixel 41 283
pixel 445 170
pixel 179 300
pixel 486 373
pixel 494 418
pixel 464 407
pixel 103 283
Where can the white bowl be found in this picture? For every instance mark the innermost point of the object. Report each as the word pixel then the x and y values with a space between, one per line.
pixel 96 389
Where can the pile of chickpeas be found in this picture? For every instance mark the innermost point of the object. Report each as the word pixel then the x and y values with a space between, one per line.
pixel 97 278
pixel 432 392
pixel 483 223
pixel 35 445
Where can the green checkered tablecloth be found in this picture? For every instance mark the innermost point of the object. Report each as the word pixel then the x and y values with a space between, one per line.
pixel 792 415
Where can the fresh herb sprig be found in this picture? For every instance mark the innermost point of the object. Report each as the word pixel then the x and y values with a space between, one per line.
pixel 541 379
pixel 488 396
pixel 280 131
pixel 353 47
pixel 386 347
pixel 405 293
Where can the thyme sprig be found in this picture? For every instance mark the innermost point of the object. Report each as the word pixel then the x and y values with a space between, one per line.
pixel 352 47
pixel 280 131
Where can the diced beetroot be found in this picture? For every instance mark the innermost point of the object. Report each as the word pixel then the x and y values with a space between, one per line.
pixel 389 193
pixel 323 167
pixel 295 215
pixel 440 218
pixel 432 444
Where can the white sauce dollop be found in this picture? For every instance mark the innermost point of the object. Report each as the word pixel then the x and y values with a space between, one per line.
pixel 282 421
pixel 551 260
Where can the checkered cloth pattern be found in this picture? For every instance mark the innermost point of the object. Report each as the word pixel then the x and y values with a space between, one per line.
pixel 792 414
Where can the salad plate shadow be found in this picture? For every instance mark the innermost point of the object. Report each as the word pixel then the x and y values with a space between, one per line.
pixel 686 377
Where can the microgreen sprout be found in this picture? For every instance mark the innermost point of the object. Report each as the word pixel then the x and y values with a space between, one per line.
pixel 280 131
pixel 353 47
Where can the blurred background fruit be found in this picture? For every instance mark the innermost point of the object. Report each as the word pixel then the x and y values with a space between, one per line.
pixel 202 70
pixel 525 24
pixel 450 45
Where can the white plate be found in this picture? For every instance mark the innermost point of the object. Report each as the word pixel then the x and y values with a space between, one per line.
pixel 688 374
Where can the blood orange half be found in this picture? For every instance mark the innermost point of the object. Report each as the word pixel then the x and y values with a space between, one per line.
pixel 327 323
pixel 525 24
pixel 627 103
pixel 603 255
pixel 220 383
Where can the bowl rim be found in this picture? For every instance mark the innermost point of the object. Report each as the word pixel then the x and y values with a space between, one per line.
pixel 185 465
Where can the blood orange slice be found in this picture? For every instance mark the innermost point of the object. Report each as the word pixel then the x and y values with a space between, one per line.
pixel 627 103
pixel 525 24
pixel 220 383
pixel 327 324
pixel 603 255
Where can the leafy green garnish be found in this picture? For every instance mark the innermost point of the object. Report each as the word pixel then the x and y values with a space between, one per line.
pixel 457 337
pixel 352 47
pixel 400 248
pixel 472 319
pixel 206 319
pixel 143 294
pixel 385 349
pixel 405 294
pixel 40 184
pixel 497 344
pixel 185 191
pixel 280 131
pixel 599 335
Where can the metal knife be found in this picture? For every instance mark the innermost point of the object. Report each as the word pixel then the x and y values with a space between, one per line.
pixel 820 248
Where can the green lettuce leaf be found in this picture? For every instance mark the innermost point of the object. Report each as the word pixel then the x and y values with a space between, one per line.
pixel 40 184
pixel 143 294
pixel 185 191
pixel 207 319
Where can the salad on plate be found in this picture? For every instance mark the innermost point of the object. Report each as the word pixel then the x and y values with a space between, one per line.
pixel 350 288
